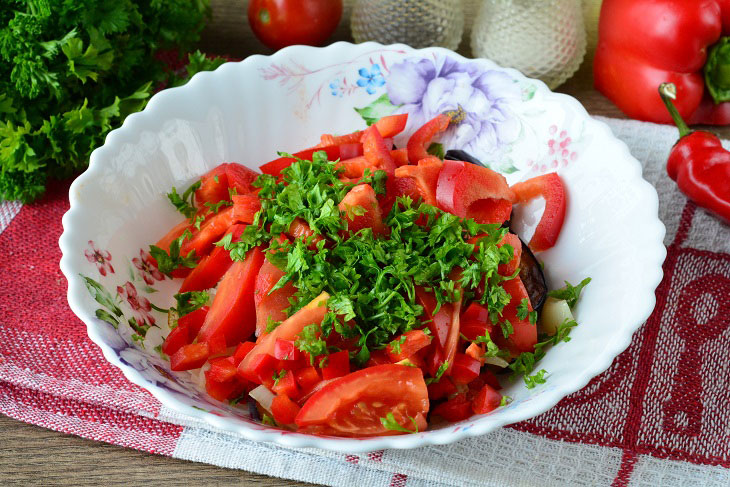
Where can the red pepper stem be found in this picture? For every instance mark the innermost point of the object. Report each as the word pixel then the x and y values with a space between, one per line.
pixel 668 92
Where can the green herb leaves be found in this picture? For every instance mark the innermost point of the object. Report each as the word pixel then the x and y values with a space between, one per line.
pixel 570 293
pixel 168 262
pixel 390 423
pixel 181 203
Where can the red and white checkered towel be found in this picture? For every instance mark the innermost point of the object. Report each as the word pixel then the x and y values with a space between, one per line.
pixel 658 416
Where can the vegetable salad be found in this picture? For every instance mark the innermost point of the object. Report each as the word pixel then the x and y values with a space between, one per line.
pixel 358 289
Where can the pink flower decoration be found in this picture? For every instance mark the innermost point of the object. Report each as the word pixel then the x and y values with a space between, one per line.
pixel 101 258
pixel 146 267
pixel 140 305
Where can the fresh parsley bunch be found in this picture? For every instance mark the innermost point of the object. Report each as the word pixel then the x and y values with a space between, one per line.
pixel 70 71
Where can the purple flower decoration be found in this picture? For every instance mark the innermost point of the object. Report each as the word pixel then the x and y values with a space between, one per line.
pixel 479 101
pixel 370 79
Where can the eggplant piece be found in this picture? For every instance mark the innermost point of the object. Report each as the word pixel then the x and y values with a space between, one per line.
pixel 533 277
pixel 460 155
pixel 530 271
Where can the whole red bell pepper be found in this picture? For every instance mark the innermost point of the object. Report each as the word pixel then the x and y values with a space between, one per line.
pixel 643 43
pixel 699 163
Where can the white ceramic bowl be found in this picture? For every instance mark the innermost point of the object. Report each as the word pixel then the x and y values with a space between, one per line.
pixel 247 111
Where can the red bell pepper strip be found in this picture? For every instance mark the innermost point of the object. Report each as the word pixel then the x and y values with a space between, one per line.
pixel 284 409
pixel 223 391
pixel 377 152
pixel 194 321
pixel 190 357
pixel 441 389
pixel 270 305
pixel 176 339
pixel 275 167
pixel 472 191
pixel 407 344
pixel 421 138
pixel 455 409
pixel 550 187
pixel 233 313
pixel 389 126
pixel 286 385
pixel 338 364
pixel 465 368
pixel 222 369
pixel 426 176
pixel 241 351
pixel 210 232
pixel 212 267
pixel 699 164
pixel 486 400
pixel 643 43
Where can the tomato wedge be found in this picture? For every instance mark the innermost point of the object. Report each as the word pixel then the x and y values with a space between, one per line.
pixel 213 186
pixel 439 324
pixel 240 179
pixel 312 313
pixel 550 187
pixel 232 313
pixel 270 305
pixel 245 207
pixel 353 405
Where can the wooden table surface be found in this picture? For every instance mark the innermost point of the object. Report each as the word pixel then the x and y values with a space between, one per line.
pixel 33 455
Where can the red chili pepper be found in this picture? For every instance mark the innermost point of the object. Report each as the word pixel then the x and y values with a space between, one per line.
pixel 698 163
pixel 646 42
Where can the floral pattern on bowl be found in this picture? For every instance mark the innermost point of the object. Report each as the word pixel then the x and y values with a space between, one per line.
pixel 247 111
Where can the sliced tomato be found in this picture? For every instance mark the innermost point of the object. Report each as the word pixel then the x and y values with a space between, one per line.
pixel 176 339
pixel 426 175
pixel 362 196
pixel 421 138
pixel 452 340
pixel 486 400
pixel 552 189
pixel 471 191
pixel 213 266
pixel 377 357
pixel 284 409
pixel 210 232
pixel 300 228
pixel 245 207
pixel 271 305
pixel 213 186
pixel 173 234
pixel 288 330
pixel 260 369
pixel 233 314
pixel 524 337
pixel 275 167
pixel 240 179
pixel 409 343
pixel 440 324
pixel 353 405
pixel 190 357
pixel 475 321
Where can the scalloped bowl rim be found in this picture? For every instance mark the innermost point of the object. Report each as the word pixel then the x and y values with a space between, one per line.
pixel 548 399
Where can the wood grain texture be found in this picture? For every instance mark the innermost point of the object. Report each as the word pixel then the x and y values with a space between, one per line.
pixel 30 455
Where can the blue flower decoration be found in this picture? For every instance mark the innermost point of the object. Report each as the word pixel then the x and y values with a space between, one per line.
pixel 336 88
pixel 370 79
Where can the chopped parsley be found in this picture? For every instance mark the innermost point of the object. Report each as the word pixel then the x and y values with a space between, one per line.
pixel 184 203
pixel 439 373
pixel 570 293
pixel 395 344
pixel 190 301
pixel 277 376
pixel 507 328
pixel 168 262
pixel 214 207
pixel 390 423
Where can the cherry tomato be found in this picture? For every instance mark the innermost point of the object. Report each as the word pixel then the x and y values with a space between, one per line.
pixel 281 23
pixel 353 405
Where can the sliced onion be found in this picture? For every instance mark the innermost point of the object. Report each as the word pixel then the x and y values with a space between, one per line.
pixel 498 361
pixel 554 313
pixel 263 396
pixel 172 318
